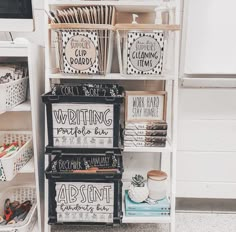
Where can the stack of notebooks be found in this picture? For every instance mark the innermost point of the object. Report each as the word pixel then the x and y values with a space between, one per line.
pixel 132 209
pixel 149 134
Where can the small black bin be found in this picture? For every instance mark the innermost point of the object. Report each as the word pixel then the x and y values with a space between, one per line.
pixel 83 121
pixel 92 198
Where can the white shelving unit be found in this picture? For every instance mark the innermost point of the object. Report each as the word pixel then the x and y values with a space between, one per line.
pixel 30 174
pixel 168 82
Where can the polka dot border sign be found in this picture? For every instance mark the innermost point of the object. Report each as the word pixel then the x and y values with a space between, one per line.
pixel 132 37
pixel 66 35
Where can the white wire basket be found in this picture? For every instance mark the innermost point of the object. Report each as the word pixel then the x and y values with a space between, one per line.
pixel 10 166
pixel 146 49
pixel 21 194
pixel 13 93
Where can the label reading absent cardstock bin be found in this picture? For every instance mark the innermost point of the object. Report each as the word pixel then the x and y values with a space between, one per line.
pixel 85 202
pixel 83 125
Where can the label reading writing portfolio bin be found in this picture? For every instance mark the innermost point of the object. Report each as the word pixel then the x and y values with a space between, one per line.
pixel 82 125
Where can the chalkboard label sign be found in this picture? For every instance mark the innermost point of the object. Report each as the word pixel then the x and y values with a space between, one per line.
pixel 80 52
pixel 145 53
pixel 83 125
pixel 85 202
pixel 142 106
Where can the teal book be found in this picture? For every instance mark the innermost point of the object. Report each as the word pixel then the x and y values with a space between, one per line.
pixel 160 206
pixel 146 214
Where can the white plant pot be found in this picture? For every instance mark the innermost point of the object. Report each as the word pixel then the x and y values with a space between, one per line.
pixel 138 194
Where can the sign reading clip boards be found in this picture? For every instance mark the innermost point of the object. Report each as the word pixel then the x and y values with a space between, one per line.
pixel 80 51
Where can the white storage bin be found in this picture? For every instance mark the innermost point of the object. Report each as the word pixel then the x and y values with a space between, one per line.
pixel 10 166
pixel 146 49
pixel 21 194
pixel 13 93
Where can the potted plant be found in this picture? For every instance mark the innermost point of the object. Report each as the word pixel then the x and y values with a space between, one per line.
pixel 138 190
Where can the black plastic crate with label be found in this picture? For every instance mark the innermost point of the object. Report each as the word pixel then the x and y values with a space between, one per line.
pixel 82 121
pixel 85 188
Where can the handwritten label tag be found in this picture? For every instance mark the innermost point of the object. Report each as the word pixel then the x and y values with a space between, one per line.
pixel 83 125
pixel 144 106
pixel 145 53
pixel 80 52
pixel 85 202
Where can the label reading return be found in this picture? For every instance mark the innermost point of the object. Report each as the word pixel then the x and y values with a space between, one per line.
pixel 83 125
pixel 85 202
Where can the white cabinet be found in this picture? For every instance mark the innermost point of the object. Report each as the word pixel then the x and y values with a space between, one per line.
pixel 210 37
pixel 28 116
pixel 206 143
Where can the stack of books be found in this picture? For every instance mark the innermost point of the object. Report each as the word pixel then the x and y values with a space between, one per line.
pixel 159 209
pixel 151 134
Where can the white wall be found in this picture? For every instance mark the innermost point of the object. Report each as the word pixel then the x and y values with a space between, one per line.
pixel 38 35
pixel 210 37
pixel 207 117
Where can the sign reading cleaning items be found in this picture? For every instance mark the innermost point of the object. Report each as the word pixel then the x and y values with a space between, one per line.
pixel 145 53
pixel 80 51
pixel 85 202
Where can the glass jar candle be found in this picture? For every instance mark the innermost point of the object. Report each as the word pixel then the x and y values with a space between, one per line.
pixel 157 184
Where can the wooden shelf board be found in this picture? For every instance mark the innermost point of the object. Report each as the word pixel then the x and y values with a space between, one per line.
pixel 112 76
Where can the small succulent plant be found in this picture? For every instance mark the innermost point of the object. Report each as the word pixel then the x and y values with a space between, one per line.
pixel 138 181
pixel 138 190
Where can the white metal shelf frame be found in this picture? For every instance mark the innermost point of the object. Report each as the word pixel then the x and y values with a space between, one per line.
pixel 171 148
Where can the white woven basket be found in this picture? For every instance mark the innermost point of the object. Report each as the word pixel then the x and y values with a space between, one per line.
pixel 13 93
pixel 10 166
pixel 21 194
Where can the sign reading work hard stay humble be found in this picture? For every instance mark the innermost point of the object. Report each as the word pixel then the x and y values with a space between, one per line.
pixel 145 53
pixel 142 106
pixel 85 202
pixel 83 125
pixel 80 52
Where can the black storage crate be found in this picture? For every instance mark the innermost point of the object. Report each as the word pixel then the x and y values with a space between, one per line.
pixel 85 198
pixel 82 121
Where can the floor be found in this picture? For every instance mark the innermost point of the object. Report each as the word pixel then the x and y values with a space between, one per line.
pixel 193 215
pixel 185 222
